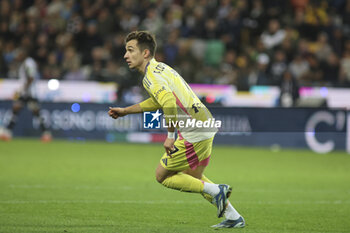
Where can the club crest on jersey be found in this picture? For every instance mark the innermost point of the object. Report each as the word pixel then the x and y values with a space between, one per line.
pixel 151 120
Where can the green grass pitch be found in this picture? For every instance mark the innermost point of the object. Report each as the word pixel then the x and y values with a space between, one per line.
pixel 100 187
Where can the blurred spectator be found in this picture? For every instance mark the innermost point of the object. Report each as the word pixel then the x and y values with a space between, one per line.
pixel 152 22
pixel 346 16
pixel 344 77
pixel 129 21
pixel 257 18
pixel 224 9
pixel 104 22
pixel 274 35
pixel 303 47
pixel 260 76
pixel 5 9
pixel 172 20
pixel 230 27
pixel 316 18
pixel 289 90
pixel 110 72
pixel 298 67
pixel 99 60
pixel 71 65
pixel 196 21
pixel 90 40
pixel 299 5
pixel 276 8
pixel 321 47
pixel 214 52
pixel 41 48
pixel 186 63
pixel 226 42
pixel 5 32
pixel 278 67
pixel 211 30
pixel 228 69
pixel 245 78
pixel 3 66
pixel 171 48
pixel 314 74
pixel 118 47
pixel 289 43
pixel 52 70
pixel 330 69
pixel 337 40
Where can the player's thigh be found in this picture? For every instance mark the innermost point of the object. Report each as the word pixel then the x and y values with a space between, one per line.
pixel 177 160
pixel 188 156
pixel 198 156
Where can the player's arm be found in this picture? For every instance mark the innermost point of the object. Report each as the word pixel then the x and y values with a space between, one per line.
pixel 163 95
pixel 120 112
pixel 147 105
pixel 168 103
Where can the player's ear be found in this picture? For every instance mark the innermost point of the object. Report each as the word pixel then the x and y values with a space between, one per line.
pixel 146 53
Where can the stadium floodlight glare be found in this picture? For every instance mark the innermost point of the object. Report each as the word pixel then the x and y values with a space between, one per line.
pixel 53 84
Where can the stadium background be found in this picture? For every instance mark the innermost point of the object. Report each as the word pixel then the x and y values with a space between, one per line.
pixel 234 53
pixel 276 72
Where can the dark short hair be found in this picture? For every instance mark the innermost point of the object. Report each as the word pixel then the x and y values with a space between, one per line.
pixel 145 40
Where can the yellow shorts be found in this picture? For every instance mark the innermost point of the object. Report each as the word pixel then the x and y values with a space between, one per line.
pixel 188 155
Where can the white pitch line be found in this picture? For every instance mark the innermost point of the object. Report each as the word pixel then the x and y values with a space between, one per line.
pixel 40 186
pixel 157 202
pixel 87 187
pixel 97 202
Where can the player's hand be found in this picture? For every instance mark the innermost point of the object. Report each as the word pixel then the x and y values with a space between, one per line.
pixel 116 112
pixel 169 145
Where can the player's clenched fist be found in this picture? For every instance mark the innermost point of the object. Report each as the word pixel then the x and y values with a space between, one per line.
pixel 116 112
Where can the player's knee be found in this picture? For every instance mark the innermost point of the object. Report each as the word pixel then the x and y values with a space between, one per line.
pixel 160 178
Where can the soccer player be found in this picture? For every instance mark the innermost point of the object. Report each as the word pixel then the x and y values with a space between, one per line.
pixel 26 95
pixel 185 158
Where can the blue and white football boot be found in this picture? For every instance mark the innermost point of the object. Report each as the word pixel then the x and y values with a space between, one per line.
pixel 227 223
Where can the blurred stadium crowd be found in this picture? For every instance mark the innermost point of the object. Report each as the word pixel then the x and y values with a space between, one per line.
pixel 240 42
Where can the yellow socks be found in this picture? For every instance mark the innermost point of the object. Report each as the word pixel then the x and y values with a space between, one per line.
pixel 184 183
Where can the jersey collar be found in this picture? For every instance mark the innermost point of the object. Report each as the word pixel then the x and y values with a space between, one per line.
pixel 150 61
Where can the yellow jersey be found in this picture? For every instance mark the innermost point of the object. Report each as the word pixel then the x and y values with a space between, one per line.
pixel 180 105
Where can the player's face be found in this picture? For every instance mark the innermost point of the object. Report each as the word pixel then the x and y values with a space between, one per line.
pixel 133 55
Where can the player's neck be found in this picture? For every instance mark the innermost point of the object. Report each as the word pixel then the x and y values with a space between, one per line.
pixel 144 65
